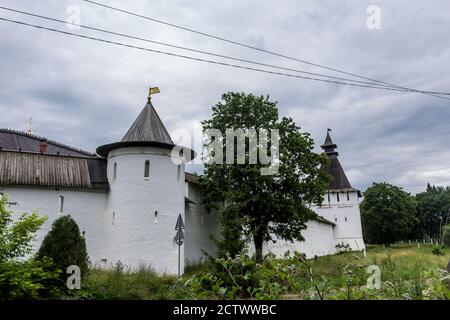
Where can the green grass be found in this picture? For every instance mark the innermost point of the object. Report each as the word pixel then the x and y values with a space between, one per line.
pixel 406 257
pixel 405 271
pixel 403 267
pixel 142 284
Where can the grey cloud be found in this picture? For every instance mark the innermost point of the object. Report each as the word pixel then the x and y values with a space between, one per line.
pixel 86 94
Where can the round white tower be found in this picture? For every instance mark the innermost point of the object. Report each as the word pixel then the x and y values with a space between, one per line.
pixel 147 194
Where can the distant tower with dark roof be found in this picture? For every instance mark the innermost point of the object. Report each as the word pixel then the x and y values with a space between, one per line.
pixel 340 180
pixel 341 201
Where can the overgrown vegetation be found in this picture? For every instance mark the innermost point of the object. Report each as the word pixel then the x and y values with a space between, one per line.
pixel 144 283
pixel 407 272
pixel 23 278
pixel 29 279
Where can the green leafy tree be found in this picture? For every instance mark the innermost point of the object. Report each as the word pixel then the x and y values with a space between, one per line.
pixel 65 245
pixel 433 211
pixel 20 278
pixel 256 206
pixel 16 235
pixel 387 213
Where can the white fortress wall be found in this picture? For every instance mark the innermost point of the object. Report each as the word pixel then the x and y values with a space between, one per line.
pixel 87 208
pixel 200 226
pixel 319 241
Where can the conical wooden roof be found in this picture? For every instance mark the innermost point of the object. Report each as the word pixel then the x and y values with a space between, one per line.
pixel 340 180
pixel 146 130
pixel 148 127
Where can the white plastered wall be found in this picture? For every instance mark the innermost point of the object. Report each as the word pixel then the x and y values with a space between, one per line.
pixel 346 215
pixel 136 234
pixel 200 226
pixel 86 208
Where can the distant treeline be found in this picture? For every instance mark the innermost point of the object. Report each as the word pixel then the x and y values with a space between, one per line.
pixel 390 214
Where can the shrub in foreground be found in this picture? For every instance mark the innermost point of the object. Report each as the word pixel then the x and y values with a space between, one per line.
pixel 32 279
pixel 65 245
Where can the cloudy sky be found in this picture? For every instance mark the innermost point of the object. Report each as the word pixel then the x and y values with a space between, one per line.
pixel 85 93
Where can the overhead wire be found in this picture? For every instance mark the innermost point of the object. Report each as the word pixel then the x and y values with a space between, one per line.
pixel 200 59
pixel 186 48
pixel 430 93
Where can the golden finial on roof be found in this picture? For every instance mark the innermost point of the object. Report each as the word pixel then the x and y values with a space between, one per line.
pixel 152 90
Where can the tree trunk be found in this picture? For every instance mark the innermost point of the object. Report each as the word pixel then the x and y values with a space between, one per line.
pixel 258 240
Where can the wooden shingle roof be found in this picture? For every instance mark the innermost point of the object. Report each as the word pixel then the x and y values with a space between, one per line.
pixel 148 127
pixel 340 180
pixel 146 130
pixel 61 166
pixel 47 170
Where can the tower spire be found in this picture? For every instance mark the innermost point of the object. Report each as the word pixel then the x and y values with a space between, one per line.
pixel 146 131
pixel 148 127
pixel 328 146
pixel 340 180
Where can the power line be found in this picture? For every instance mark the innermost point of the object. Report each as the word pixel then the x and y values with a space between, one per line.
pixel 189 57
pixel 256 48
pixel 195 50
pixel 200 59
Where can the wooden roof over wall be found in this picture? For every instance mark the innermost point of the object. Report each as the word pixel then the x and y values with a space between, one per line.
pixel 20 168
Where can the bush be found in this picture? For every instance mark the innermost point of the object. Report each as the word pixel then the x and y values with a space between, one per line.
pixel 65 245
pixel 242 277
pixel 32 279
pixel 16 236
pixel 437 250
pixel 446 236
